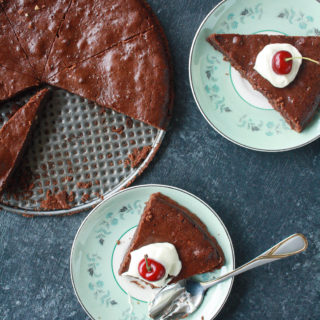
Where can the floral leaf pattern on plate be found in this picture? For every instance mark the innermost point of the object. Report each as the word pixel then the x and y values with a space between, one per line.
pixel 305 22
pixel 112 219
pixel 232 22
pixel 212 86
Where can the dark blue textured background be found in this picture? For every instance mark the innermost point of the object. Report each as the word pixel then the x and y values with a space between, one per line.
pixel 261 198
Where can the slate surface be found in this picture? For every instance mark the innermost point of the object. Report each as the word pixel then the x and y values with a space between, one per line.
pixel 261 198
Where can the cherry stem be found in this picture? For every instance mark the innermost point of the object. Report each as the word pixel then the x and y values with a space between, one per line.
pixel 147 265
pixel 304 58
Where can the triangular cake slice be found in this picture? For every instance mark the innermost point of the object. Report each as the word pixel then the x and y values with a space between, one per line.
pixel 164 220
pixel 14 136
pixel 297 102
pixel 36 24
pixel 132 78
pixel 82 35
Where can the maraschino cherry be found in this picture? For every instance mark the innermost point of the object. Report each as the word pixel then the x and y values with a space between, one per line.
pixel 280 64
pixel 151 270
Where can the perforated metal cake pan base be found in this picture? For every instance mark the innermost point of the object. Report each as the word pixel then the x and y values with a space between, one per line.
pixel 76 141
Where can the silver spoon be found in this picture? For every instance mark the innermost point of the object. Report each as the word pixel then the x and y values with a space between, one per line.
pixel 184 297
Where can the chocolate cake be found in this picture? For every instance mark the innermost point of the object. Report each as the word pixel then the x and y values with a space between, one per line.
pixel 12 82
pixel 36 24
pixel 111 52
pixel 297 102
pixel 101 25
pixel 12 56
pixel 164 220
pixel 14 136
pixel 131 78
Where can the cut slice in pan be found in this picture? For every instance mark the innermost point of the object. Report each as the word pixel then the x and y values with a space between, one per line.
pixel 14 136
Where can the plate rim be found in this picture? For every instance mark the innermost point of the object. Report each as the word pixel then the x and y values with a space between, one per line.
pixel 203 113
pixel 148 186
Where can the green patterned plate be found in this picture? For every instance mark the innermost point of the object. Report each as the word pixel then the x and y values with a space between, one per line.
pixel 225 99
pixel 102 240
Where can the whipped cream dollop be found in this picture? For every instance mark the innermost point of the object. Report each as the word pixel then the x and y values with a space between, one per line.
pixel 263 64
pixel 162 252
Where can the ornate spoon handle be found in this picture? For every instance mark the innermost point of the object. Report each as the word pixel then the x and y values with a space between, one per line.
pixel 294 244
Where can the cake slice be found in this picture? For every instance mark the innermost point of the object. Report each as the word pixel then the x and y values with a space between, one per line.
pixel 14 136
pixel 36 24
pixel 82 35
pixel 297 102
pixel 164 220
pixel 132 78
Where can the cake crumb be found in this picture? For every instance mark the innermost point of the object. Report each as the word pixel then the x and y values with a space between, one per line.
pixel 51 164
pixel 85 197
pixel 36 7
pixel 55 201
pixel 98 195
pixel 137 156
pixel 84 185
pixel 126 163
pixel 117 130
pixel 31 186
pixel 118 242
pixel 129 123
pixel 71 196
